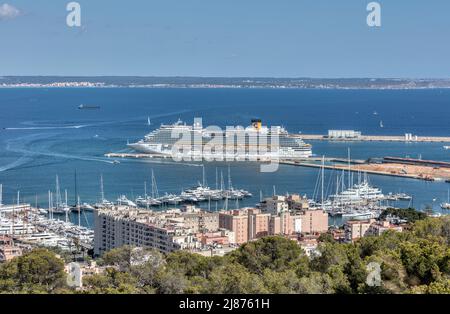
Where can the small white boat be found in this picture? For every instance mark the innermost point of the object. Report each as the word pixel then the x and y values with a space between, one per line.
pixel 446 147
pixel 446 205
pixel 123 200
pixel 87 207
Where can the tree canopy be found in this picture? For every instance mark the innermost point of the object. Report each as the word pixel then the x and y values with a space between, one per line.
pixel 415 261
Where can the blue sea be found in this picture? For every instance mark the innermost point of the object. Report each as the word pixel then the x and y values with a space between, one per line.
pixel 47 135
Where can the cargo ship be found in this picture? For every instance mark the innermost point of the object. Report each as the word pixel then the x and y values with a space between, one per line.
pixel 88 107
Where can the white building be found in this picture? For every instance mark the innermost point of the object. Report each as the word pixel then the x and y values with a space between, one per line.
pixel 163 231
pixel 343 134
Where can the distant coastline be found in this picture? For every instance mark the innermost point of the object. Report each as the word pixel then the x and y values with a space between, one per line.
pixel 217 82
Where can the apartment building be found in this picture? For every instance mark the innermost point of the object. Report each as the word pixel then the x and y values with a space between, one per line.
pixel 252 223
pixel 355 229
pixel 166 231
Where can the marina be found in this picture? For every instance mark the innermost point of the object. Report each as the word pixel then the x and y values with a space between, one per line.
pixel 43 149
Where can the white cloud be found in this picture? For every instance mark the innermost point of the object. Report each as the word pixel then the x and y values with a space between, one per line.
pixel 8 11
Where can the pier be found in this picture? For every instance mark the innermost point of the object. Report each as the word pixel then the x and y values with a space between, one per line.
pixel 411 171
pixel 375 138
pixel 389 166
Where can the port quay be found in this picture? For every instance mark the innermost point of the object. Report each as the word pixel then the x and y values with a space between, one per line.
pixel 388 166
pixel 377 138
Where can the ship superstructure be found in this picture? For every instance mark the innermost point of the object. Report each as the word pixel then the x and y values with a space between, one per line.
pixel 253 142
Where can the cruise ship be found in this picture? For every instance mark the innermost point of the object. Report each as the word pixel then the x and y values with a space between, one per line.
pixel 256 142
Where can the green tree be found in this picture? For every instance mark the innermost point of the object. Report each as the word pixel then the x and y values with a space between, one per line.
pixel 234 278
pixel 111 281
pixel 275 253
pixel 38 271
pixel 425 260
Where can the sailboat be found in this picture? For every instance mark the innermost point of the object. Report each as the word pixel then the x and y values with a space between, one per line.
pixel 103 202
pixel 60 206
pixel 446 205
pixel 381 124
pixel 148 121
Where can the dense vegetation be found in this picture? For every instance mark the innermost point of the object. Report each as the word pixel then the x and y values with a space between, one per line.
pixel 408 214
pixel 415 261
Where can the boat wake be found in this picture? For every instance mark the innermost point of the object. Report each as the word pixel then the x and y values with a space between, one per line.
pixel 49 127
pixel 153 161
pixel 22 146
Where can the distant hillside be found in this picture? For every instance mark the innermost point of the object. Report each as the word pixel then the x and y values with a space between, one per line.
pixel 220 82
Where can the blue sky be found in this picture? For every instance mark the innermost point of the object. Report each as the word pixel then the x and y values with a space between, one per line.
pixel 275 38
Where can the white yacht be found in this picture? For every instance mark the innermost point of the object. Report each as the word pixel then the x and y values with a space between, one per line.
pixel 123 200
pixel 358 193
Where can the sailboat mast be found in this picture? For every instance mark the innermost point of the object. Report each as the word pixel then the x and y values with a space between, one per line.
pixel 153 186
pixel 203 176
pixel 217 183
pixel 323 177
pixel 76 186
pixel 229 179
pixel 102 191
pixel 79 211
pixel 57 193
pixel 349 168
